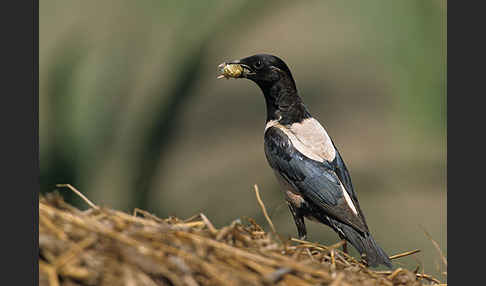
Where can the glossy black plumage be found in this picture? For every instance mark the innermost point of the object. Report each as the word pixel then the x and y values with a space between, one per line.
pixel 316 181
pixel 318 184
pixel 313 174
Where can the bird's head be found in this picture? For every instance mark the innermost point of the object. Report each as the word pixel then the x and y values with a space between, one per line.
pixel 273 77
pixel 263 69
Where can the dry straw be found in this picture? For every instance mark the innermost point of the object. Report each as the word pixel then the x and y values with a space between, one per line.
pixel 102 246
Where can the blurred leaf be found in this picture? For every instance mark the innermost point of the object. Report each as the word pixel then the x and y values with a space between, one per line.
pixel 188 67
pixel 61 163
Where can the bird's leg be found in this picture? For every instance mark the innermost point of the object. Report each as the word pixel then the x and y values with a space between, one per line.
pixel 345 247
pixel 342 237
pixel 299 221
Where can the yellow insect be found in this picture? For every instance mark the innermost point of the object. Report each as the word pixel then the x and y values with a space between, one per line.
pixel 230 70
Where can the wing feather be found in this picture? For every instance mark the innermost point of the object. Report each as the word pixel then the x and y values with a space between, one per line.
pixel 343 174
pixel 316 181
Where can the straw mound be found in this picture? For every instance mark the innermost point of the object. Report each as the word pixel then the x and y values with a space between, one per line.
pixel 102 246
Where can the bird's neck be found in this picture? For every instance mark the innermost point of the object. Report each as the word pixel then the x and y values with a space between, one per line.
pixel 283 102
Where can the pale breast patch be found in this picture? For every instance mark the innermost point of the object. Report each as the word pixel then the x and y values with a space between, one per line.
pixel 309 138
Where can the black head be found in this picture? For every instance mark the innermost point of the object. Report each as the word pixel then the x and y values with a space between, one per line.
pixel 265 70
pixel 273 77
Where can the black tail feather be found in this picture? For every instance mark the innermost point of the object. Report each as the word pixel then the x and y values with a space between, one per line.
pixel 365 244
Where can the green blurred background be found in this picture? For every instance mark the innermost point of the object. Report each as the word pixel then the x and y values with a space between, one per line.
pixel 131 112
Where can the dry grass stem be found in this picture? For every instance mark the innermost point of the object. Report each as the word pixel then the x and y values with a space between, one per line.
pixel 260 202
pixel 208 223
pixel 436 245
pixel 78 193
pixel 404 254
pixel 108 247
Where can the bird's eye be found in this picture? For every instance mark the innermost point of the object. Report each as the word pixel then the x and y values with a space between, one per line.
pixel 258 64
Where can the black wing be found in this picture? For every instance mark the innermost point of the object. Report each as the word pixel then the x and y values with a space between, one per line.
pixel 343 174
pixel 316 181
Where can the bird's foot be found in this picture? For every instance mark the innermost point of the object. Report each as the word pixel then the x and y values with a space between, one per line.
pixel 363 260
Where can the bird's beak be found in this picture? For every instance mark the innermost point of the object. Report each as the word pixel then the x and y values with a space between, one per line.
pixel 234 69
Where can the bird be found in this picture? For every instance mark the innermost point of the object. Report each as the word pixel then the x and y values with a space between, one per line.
pixel 312 174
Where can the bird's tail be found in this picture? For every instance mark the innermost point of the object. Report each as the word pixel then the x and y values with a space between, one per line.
pixel 365 244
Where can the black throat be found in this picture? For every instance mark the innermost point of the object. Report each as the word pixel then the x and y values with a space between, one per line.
pixel 283 102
